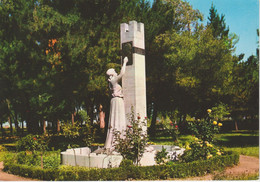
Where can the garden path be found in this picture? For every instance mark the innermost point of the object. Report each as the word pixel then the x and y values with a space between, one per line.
pixel 247 165
pixel 10 177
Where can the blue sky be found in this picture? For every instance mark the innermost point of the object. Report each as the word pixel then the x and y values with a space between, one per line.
pixel 242 17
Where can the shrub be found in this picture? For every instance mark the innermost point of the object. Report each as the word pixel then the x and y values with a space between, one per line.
pixel 2 148
pixel 78 131
pixel 31 143
pixel 49 160
pixel 52 161
pixel 200 150
pixel 177 170
pixel 161 157
pixel 205 129
pixel 125 163
pixel 133 144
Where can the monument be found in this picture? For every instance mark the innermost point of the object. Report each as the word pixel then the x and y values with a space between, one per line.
pixel 134 81
pixel 117 119
pixel 132 95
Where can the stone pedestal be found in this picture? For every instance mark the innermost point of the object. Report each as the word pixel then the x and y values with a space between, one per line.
pixel 89 157
pixel 134 80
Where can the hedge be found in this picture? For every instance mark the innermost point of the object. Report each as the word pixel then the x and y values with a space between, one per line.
pixel 177 170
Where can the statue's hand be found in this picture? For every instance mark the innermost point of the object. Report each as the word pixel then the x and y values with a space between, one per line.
pixel 125 60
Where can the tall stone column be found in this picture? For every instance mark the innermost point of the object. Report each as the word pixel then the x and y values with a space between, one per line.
pixel 134 80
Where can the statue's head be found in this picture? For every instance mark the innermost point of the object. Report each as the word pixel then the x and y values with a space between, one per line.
pixel 111 72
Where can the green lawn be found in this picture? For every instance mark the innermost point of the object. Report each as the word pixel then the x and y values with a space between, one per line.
pixel 245 142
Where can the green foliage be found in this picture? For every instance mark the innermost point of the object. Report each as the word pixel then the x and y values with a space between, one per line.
pixel 50 160
pixel 126 163
pixel 200 150
pixel 54 55
pixel 77 131
pixel 217 23
pixel 132 145
pixel 181 170
pixel 165 123
pixel 32 143
pixel 205 129
pixel 2 148
pixel 71 131
pixel 161 157
pixel 219 111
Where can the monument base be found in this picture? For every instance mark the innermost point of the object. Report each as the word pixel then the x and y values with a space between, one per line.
pixel 93 158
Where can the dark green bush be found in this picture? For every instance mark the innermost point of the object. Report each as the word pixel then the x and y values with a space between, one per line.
pixel 50 159
pixel 126 163
pixel 32 143
pixel 177 170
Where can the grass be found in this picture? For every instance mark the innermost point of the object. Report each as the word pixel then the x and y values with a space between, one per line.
pixel 246 142
pixel 247 150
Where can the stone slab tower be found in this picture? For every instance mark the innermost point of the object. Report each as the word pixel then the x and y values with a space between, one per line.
pixel 134 81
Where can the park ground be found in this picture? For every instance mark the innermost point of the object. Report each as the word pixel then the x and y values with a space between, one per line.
pixel 246 142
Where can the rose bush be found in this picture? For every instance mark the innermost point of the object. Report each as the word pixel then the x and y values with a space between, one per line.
pixel 132 145
pixel 200 150
pixel 205 129
pixel 32 143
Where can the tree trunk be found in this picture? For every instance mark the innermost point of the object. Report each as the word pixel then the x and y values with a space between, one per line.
pixel 32 126
pixel 11 126
pixel 73 117
pixel 44 127
pixel 90 113
pixel 17 128
pixel 236 126
pixel 42 160
pixel 153 122
pixel 58 126
pixel 22 127
pixel 2 129
pixel 54 127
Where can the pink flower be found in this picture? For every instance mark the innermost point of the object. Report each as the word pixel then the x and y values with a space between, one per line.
pixel 145 118
pixel 129 126
pixel 171 124
pixel 176 126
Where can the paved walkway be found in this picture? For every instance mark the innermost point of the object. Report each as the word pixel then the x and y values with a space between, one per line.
pixel 247 165
pixel 10 177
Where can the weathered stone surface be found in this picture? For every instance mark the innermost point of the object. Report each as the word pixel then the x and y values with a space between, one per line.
pixel 134 80
pixel 85 157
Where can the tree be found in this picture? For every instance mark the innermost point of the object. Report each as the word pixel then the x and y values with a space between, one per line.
pixel 217 23
pixel 164 16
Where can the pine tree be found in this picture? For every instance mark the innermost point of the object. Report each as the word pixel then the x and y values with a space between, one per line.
pixel 217 23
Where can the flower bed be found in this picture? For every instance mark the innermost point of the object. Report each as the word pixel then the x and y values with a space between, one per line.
pixel 175 170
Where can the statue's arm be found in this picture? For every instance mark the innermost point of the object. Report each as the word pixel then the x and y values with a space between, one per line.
pixel 122 72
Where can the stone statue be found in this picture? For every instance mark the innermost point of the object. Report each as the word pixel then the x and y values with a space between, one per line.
pixel 117 118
